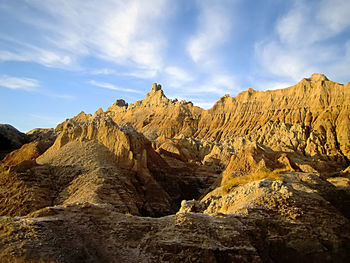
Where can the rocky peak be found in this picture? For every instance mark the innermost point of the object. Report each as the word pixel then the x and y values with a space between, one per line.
pixel 318 77
pixel 118 106
pixel 120 103
pixel 156 87
pixel 156 96
pixel 82 116
pixel 98 112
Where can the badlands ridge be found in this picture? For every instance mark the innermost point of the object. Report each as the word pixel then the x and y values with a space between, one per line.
pixel 260 177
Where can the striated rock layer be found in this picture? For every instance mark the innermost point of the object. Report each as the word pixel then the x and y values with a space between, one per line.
pixel 311 117
pixel 265 175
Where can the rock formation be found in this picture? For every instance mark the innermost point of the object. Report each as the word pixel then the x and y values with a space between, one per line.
pixel 10 139
pixel 311 117
pixel 260 177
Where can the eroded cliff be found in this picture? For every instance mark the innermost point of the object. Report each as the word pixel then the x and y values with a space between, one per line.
pixel 268 172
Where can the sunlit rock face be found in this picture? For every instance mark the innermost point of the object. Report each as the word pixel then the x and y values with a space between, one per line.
pixel 260 177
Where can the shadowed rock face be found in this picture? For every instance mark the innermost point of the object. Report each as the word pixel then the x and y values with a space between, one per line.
pixel 99 162
pixel 265 174
pixel 10 139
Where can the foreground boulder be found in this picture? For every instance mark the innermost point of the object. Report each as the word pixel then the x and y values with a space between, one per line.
pixel 286 220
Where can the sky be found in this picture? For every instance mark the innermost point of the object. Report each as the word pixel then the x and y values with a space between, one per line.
pixel 60 57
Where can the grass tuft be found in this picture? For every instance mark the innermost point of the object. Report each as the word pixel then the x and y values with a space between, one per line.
pixel 255 176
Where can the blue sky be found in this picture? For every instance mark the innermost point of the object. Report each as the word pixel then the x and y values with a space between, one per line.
pixel 59 57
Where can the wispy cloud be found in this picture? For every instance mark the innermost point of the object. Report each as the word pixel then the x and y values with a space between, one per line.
pixel 41 56
pixel 178 73
pixel 177 76
pixel 112 87
pixel 103 71
pixel 128 33
pixel 308 23
pixel 202 103
pixel 271 85
pixel 214 25
pixel 302 45
pixel 141 73
pixel 31 85
pixel 22 51
pixel 27 84
pixel 214 87
pixel 220 84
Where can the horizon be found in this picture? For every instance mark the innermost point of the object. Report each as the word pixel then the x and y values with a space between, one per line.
pixel 58 58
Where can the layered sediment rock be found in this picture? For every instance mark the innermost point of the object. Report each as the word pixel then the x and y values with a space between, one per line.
pixel 268 173
pixel 311 117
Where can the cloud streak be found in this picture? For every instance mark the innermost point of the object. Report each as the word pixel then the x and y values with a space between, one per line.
pixel 214 26
pixel 15 83
pixel 25 52
pixel 127 33
pixel 112 87
pixel 177 76
pixel 303 41
pixel 31 85
pixel 103 71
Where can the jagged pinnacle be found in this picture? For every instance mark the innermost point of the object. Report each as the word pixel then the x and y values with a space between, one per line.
pixel 156 87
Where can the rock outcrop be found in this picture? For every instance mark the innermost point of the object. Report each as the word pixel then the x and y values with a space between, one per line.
pixel 287 220
pixel 29 151
pixel 38 134
pixel 157 115
pixel 311 117
pixel 10 139
pixel 261 177
pixel 99 162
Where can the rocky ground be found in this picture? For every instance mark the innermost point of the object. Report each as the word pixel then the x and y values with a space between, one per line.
pixel 262 177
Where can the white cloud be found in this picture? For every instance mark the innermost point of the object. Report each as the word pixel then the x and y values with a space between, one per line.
pixel 220 84
pixel 32 85
pixel 21 51
pixel 19 83
pixel 44 57
pixel 103 71
pixel 283 61
pixel 340 69
pixel 178 73
pixel 334 14
pixel 203 104
pixel 302 46
pixel 216 85
pixel 214 29
pixel 277 85
pixel 271 85
pixel 308 23
pixel 177 76
pixel 141 73
pixel 128 33
pixel 111 86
